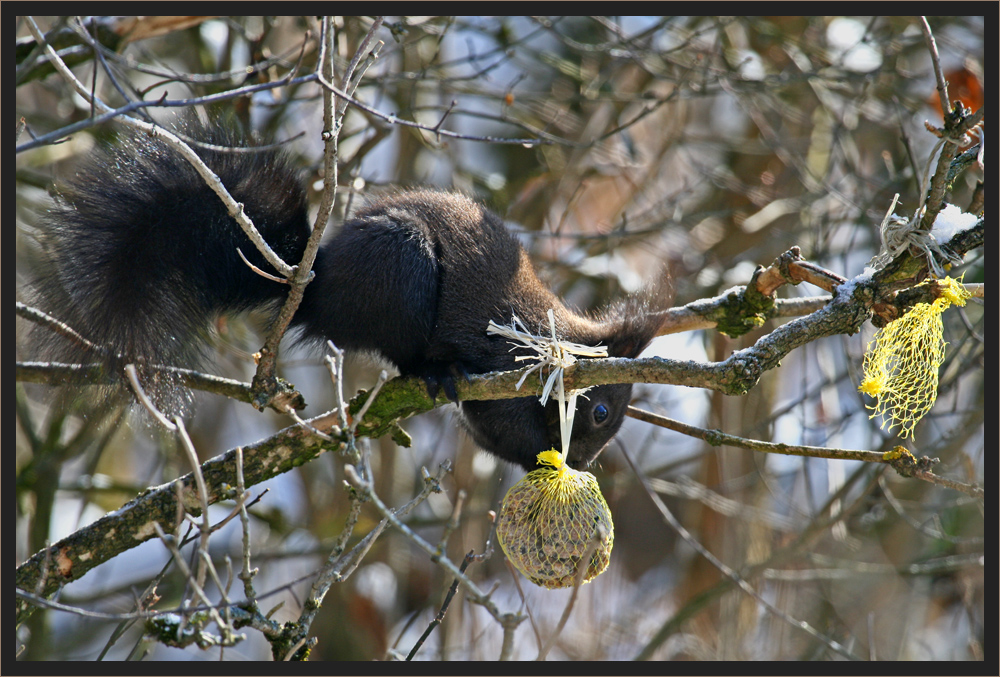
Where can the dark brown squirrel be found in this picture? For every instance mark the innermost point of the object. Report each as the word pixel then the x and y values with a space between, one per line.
pixel 140 255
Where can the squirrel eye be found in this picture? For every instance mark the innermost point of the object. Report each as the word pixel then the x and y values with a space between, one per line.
pixel 600 414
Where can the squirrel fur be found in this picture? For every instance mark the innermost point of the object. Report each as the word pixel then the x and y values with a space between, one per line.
pixel 140 255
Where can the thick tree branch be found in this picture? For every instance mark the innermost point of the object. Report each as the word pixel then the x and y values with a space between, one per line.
pixel 133 524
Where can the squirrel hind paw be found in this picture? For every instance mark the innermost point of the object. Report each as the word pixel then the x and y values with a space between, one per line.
pixel 438 376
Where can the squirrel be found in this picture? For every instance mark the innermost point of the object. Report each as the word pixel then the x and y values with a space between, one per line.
pixel 139 255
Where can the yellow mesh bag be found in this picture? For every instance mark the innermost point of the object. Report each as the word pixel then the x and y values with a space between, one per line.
pixel 902 362
pixel 548 522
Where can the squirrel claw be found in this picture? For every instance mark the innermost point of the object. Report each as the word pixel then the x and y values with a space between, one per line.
pixel 442 376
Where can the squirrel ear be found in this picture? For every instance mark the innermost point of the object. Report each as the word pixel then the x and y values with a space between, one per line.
pixel 628 345
pixel 636 321
pixel 635 330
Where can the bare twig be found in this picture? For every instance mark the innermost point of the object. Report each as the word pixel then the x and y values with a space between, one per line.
pixel 942 84
pixel 732 574
pixel 475 594
pixel 140 394
pixel 235 209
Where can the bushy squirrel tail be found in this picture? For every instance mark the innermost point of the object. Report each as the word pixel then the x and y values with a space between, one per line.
pixel 138 254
